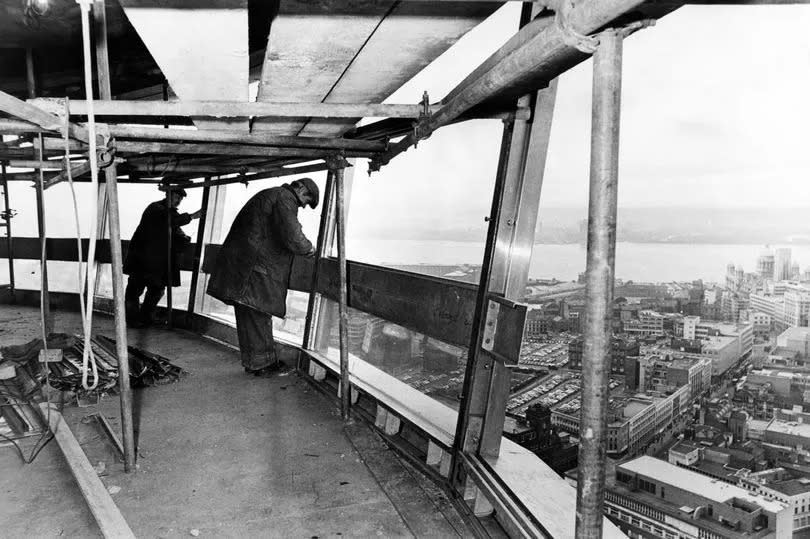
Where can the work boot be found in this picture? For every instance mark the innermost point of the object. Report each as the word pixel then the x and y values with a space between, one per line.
pixel 265 372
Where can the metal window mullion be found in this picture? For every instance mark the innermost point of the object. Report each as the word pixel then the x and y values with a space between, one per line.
pixel 324 314
pixel 198 251
pixel 527 160
pixel 214 211
pixel 101 233
pixel 313 306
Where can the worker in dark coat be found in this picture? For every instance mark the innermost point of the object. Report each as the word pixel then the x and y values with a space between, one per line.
pixel 252 270
pixel 147 262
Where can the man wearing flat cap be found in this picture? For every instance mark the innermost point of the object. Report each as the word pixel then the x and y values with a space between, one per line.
pixel 252 270
pixel 147 262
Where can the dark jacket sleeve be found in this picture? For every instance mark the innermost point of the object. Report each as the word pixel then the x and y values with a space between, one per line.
pixel 285 221
pixel 179 238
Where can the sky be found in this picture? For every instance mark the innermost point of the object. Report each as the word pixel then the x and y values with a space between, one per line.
pixel 714 114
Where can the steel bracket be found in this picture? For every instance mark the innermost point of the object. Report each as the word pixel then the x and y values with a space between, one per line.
pixel 503 329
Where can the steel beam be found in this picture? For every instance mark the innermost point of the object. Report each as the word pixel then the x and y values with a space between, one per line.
pixel 607 69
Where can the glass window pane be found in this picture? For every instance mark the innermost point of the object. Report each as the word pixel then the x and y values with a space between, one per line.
pixel 425 211
pixel 405 362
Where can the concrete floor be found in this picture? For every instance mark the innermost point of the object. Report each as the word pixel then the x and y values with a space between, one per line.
pixel 222 453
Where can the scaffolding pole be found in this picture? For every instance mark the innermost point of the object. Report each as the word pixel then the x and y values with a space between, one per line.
pixel 607 70
pixel 336 165
pixel 117 264
pixel 9 239
pixel 169 280
pixel 39 185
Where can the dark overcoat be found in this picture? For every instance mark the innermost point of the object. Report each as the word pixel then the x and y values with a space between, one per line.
pixel 254 263
pixel 147 255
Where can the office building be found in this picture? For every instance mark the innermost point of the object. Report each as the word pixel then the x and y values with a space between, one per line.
pixel 782 264
pixel 653 498
pixel 620 350
pixel 648 324
pixel 765 264
pixel 796 339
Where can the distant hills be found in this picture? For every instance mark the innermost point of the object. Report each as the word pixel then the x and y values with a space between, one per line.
pixel 639 225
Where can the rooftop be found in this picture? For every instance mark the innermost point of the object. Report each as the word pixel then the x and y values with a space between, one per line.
pixel 793 428
pixel 694 482
pixel 802 333
pixel 718 343
pixel 683 448
pixel 791 487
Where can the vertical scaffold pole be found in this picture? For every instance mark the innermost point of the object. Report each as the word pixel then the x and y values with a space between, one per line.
pixel 40 193
pixel 607 65
pixel 9 237
pixel 117 264
pixel 336 166
pixel 169 265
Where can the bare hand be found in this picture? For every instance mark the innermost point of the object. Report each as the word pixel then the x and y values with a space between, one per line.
pixel 197 214
pixel 311 252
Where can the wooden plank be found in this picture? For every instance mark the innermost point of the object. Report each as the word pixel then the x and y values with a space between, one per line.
pixel 207 54
pixel 299 68
pixel 407 40
pixel 107 515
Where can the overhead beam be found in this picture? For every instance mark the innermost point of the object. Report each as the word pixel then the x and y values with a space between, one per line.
pixel 75 172
pixel 211 135
pixel 232 109
pixel 528 61
pixel 224 149
pixel 32 113
pixel 272 173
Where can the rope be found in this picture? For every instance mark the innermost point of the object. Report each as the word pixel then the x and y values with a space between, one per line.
pixel 88 360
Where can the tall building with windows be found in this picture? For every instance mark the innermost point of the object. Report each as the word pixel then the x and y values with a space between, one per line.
pixel 765 264
pixel 797 308
pixel 781 271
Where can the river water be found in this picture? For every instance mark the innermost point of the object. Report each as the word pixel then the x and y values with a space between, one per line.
pixel 636 261
pixel 657 262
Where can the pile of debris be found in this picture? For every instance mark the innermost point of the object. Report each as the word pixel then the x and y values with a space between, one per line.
pixel 30 367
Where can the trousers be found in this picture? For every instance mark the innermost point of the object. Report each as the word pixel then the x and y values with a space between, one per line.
pixel 135 311
pixel 254 330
